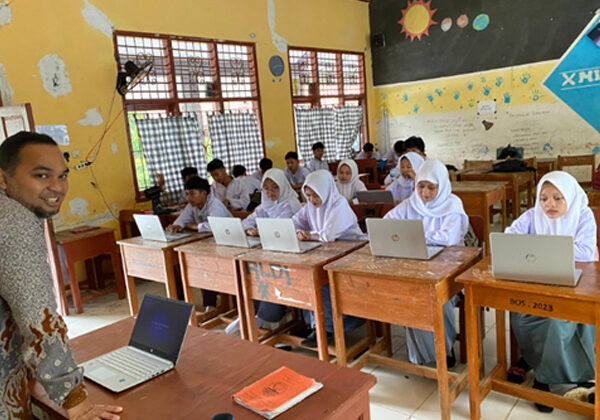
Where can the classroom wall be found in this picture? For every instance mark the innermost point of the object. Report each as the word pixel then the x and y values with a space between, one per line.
pixel 58 56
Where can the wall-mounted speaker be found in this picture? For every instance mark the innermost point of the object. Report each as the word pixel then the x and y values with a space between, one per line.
pixel 377 41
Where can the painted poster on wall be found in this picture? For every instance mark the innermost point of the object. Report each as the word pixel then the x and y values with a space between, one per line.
pixel 576 78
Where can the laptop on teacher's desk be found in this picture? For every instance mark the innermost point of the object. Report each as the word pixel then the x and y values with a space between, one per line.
pixel 151 229
pixel 229 231
pixel 280 235
pixel 545 259
pixel 399 238
pixel 153 349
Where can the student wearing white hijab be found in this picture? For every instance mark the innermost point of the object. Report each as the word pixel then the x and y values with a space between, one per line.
pixel 404 184
pixel 560 352
pixel 347 179
pixel 445 223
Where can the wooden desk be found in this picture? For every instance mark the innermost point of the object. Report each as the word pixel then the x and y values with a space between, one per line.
pixel 516 182
pixel 545 165
pixel 212 368
pixel 293 280
pixel 405 292
pixel 577 304
pixel 478 197
pixel 75 247
pixel 151 260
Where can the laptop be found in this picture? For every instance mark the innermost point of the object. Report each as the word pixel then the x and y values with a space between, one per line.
pixel 375 196
pixel 229 231
pixel 280 235
pixel 153 348
pixel 545 259
pixel 399 238
pixel 150 228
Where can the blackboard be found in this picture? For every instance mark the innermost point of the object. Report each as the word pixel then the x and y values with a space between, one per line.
pixel 519 32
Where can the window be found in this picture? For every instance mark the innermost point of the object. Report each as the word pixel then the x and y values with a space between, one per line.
pixel 324 78
pixel 190 75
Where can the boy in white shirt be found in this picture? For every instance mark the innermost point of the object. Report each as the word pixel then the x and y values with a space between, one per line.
pixel 239 190
pixel 264 165
pixel 294 173
pixel 221 179
pixel 368 152
pixel 316 163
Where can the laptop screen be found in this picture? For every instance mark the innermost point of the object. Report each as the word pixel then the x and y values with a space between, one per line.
pixel 160 326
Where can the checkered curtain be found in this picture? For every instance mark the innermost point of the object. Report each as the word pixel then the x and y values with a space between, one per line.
pixel 313 125
pixel 170 144
pixel 235 139
pixel 348 120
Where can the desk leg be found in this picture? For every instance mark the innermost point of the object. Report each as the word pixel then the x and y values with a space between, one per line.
pixel 472 353
pixel 130 285
pixel 115 259
pixel 338 323
pixel 320 320
pixel 597 347
pixel 239 301
pixel 75 293
pixel 501 342
pixel 169 275
pixel 248 306
pixel 188 293
pixel 440 356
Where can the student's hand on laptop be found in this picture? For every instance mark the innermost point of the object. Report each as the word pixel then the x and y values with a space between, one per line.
pixel 87 410
pixel 303 235
pixel 252 232
pixel 174 228
pixel 191 226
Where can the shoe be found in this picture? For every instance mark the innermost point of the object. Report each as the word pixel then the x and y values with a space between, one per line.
pixel 451 360
pixel 517 373
pixel 581 392
pixel 233 328
pixel 542 387
pixel 311 340
pixel 592 398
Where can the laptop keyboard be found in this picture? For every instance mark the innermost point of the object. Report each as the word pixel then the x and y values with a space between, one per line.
pixel 175 236
pixel 131 363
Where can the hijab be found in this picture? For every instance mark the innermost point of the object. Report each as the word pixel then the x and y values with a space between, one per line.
pixel 416 160
pixel 348 190
pixel 286 193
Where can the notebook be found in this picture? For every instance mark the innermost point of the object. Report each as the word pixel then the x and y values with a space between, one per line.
pixel 229 231
pixel 154 346
pixel 151 229
pixel 375 196
pixel 546 259
pixel 399 238
pixel 280 235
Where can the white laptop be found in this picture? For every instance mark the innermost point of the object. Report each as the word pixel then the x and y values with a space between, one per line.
pixel 399 238
pixel 229 231
pixel 546 259
pixel 280 235
pixel 153 349
pixel 150 228
pixel 375 196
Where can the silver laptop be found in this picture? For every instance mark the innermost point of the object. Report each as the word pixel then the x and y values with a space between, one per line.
pixel 154 346
pixel 150 228
pixel 546 259
pixel 375 196
pixel 280 235
pixel 399 238
pixel 229 231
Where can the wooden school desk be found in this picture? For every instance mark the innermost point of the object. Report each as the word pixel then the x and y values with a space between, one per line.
pixel 577 304
pixel 478 197
pixel 151 260
pixel 516 182
pixel 293 280
pixel 212 367
pixel 405 292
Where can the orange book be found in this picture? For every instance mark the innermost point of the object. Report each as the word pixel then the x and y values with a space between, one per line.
pixel 276 392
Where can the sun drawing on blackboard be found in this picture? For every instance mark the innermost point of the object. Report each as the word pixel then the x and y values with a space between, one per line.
pixel 417 18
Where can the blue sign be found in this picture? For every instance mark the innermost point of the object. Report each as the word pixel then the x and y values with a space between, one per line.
pixel 576 78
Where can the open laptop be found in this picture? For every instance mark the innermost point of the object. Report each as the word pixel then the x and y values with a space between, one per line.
pixel 399 238
pixel 546 259
pixel 153 348
pixel 229 231
pixel 280 235
pixel 150 228
pixel 375 196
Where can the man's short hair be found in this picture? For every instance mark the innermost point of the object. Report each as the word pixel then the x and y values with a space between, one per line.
pixel 214 165
pixel 368 147
pixel 189 170
pixel 238 170
pixel 318 145
pixel 399 147
pixel 197 183
pixel 415 142
pixel 10 149
pixel 291 155
pixel 265 164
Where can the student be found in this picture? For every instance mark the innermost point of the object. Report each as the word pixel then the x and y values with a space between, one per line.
pixel 445 224
pixel 316 162
pixel 186 173
pixel 263 166
pixel 201 204
pixel 294 173
pixel 326 217
pixel 403 186
pixel 239 190
pixel 397 151
pixel 368 152
pixel 221 179
pixel 347 179
pixel 415 144
pixel 560 352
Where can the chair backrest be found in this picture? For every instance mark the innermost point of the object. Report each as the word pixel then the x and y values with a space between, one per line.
pixel 369 166
pixel 478 164
pixel 530 162
pixel 333 167
pixel 477 223
pixel 596 211
pixel 578 160
pixel 127 226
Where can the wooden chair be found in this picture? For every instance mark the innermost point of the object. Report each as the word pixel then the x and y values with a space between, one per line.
pixel 478 164
pixel 369 166
pixel 333 167
pixel 578 160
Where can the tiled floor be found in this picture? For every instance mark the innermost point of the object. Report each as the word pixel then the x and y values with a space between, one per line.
pixel 396 395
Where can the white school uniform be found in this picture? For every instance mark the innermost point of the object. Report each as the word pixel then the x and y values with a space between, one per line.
pixel 363 155
pixel 348 190
pixel 239 190
pixel 257 174
pixel 298 177
pixel 218 190
pixel 401 187
pixel 315 164
pixel 212 207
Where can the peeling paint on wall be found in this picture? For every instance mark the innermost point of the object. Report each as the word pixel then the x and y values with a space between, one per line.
pixel 6 91
pixel 92 117
pixel 5 13
pixel 278 41
pixel 269 144
pixel 78 207
pixel 114 148
pixel 97 19
pixel 65 220
pixel 54 75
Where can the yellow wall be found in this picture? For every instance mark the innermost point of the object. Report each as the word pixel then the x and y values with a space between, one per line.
pixel 38 28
